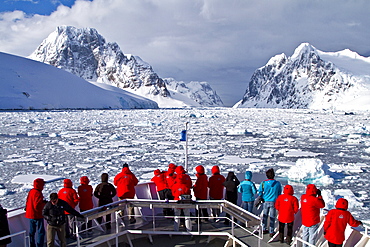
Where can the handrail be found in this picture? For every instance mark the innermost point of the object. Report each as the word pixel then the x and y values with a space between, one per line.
pixel 16 234
pixel 236 213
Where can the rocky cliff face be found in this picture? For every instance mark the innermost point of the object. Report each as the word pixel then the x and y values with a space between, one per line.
pixel 85 53
pixel 304 80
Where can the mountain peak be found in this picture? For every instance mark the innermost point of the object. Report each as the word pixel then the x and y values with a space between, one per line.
pixel 312 79
pixel 304 48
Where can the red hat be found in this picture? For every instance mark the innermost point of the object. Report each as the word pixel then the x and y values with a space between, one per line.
pixel 215 169
pixel 199 169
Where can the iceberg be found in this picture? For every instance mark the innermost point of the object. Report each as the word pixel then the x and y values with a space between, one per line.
pixel 309 170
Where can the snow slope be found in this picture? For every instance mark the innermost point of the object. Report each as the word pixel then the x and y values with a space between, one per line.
pixel 27 84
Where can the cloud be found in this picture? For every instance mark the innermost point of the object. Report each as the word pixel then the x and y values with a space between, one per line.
pixel 218 41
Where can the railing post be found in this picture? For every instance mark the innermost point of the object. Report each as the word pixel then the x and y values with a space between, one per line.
pixel 76 230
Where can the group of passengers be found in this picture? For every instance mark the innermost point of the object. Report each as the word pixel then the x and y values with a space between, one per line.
pixel 287 205
pixel 60 209
pixel 176 184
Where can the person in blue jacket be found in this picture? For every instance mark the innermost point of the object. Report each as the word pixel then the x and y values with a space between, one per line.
pixel 248 190
pixel 269 190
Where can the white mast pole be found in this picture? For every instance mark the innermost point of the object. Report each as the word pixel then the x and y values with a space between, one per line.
pixel 186 147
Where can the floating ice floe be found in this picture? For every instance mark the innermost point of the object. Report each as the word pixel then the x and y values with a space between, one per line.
pixel 237 131
pixel 22 160
pixel 277 124
pixel 331 198
pixel 3 190
pixel 300 153
pixel 309 170
pixel 349 168
pixel 146 124
pixel 235 160
pixel 28 179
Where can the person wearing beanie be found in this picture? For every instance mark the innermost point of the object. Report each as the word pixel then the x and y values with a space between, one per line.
pixel 311 203
pixel 200 189
pixel 269 190
pixel 216 189
pixel 163 190
pixel 231 184
pixel 69 195
pixel 126 182
pixel 336 222
pixel 248 190
pixel 85 192
pixel 34 204
pixel 105 192
pixel 288 206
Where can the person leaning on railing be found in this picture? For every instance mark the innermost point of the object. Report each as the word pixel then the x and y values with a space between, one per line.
pixel 336 222
pixel 54 214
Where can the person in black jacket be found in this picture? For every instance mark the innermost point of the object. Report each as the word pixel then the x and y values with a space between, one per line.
pixel 105 192
pixel 231 184
pixel 54 214
pixel 4 227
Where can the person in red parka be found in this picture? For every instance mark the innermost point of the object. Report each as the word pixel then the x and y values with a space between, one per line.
pixel 34 205
pixel 288 206
pixel 179 189
pixel 216 188
pixel 311 203
pixel 200 189
pixel 126 182
pixel 186 178
pixel 85 191
pixel 171 175
pixel 163 190
pixel 336 222
pixel 69 195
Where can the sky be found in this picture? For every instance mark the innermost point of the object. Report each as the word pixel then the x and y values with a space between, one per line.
pixel 221 42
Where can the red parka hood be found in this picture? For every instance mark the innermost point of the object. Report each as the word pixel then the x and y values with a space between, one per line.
pixel 126 170
pixel 38 184
pixel 215 169
pixel 342 204
pixel 84 180
pixel 311 189
pixel 288 189
pixel 180 170
pixel 157 172
pixel 67 183
pixel 171 166
pixel 200 169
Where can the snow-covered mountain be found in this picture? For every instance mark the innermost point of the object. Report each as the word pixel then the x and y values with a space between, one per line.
pixel 312 79
pixel 85 53
pixel 200 92
pixel 28 84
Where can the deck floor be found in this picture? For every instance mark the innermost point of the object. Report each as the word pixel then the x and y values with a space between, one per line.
pixel 165 240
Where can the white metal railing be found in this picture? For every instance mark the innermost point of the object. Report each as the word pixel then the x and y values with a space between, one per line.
pixel 238 218
pixel 17 234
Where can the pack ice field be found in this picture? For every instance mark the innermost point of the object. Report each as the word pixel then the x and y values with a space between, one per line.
pixel 329 149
